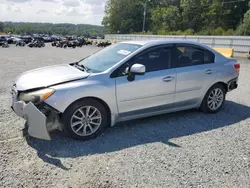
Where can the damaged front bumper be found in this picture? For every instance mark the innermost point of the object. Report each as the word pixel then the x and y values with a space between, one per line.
pixel 40 121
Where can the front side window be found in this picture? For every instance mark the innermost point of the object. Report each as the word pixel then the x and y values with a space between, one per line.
pixel 154 59
pixel 184 56
pixel 108 57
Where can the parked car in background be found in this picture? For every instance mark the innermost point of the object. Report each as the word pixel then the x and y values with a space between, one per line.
pixel 3 39
pixel 20 42
pixel 4 44
pixel 124 81
pixel 10 39
pixel 27 39
pixel 36 43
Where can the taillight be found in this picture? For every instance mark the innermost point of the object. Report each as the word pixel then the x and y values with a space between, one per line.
pixel 237 67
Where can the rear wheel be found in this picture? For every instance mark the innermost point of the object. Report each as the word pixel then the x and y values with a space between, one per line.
pixel 85 119
pixel 214 99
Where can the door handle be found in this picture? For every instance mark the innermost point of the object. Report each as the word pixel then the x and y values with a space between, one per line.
pixel 168 79
pixel 209 71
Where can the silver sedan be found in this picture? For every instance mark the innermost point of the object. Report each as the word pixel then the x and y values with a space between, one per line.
pixel 124 81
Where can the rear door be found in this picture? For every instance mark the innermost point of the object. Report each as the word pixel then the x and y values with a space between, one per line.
pixel 195 70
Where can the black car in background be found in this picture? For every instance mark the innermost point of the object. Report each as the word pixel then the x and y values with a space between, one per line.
pixel 26 39
pixel 3 39
pixel 4 42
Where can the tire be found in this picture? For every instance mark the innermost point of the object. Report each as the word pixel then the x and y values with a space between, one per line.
pixel 68 119
pixel 206 104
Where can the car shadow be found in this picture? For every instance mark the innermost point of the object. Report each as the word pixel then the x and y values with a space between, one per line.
pixel 161 128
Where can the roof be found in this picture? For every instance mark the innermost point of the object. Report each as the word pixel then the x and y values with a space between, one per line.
pixel 165 41
pixel 158 41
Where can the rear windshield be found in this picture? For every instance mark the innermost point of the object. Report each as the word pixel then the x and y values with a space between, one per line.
pixel 108 57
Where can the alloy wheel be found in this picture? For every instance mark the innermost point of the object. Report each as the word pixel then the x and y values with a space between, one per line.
pixel 215 99
pixel 86 120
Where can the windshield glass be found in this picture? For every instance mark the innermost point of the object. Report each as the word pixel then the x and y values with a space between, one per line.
pixel 106 58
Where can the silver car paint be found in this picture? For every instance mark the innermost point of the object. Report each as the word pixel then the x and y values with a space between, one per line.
pixel 46 76
pixel 150 94
pixel 38 121
pixel 103 80
pixel 146 91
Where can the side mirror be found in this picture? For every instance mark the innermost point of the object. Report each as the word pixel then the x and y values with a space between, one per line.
pixel 136 69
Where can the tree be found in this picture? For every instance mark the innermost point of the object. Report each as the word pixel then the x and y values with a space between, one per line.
pixel 167 19
pixel 48 28
pixel 1 26
pixel 191 14
pixel 123 16
pixel 233 12
pixel 244 27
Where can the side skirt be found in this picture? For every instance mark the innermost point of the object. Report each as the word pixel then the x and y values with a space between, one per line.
pixel 131 116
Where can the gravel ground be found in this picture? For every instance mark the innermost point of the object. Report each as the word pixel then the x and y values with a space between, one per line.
pixel 184 149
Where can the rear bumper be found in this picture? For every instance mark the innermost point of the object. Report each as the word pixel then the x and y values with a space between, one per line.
pixel 232 84
pixel 39 124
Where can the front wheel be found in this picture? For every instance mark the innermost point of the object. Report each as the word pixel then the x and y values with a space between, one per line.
pixel 214 99
pixel 85 119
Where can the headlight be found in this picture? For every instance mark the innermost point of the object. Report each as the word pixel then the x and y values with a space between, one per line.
pixel 36 96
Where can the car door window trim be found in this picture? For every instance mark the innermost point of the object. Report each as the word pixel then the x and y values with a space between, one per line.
pixel 204 50
pixel 115 73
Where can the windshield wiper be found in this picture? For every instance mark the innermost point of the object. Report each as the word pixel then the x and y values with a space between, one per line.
pixel 79 67
pixel 83 67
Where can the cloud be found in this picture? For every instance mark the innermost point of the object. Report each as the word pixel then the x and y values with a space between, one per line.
pixel 14 8
pixel 40 11
pixel 93 2
pixel 69 11
pixel 97 9
pixel 73 11
pixel 55 11
pixel 50 1
pixel 71 3
pixel 18 1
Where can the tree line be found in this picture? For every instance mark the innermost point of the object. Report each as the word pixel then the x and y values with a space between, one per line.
pixel 49 28
pixel 202 17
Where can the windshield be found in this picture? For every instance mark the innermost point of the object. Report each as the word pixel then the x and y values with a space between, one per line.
pixel 108 57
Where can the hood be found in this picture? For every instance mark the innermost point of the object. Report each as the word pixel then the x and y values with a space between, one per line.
pixel 47 76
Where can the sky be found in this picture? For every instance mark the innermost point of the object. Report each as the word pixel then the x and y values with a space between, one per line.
pixel 53 11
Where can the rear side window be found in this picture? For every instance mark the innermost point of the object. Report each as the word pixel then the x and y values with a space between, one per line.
pixel 183 56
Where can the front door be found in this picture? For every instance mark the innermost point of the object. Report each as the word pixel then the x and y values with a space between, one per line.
pixel 153 91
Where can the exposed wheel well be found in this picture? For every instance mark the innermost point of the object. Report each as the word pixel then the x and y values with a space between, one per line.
pixel 99 100
pixel 223 84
